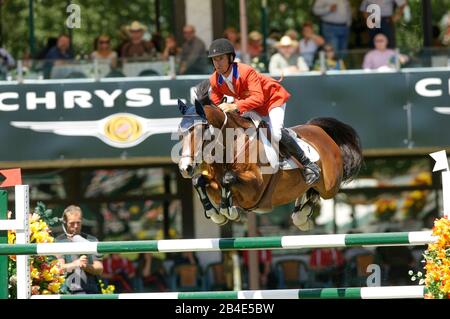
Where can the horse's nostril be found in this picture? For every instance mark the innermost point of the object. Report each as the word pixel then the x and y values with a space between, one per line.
pixel 190 169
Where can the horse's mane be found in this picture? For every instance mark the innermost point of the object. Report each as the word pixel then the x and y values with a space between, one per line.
pixel 202 92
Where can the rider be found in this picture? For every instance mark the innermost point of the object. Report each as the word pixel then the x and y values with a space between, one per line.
pixel 253 91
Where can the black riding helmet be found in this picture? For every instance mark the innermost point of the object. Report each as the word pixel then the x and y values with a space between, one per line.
pixel 221 46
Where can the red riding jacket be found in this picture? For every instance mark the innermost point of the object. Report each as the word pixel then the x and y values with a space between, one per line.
pixel 252 90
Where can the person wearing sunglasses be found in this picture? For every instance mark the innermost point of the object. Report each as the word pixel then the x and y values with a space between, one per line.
pixel 103 51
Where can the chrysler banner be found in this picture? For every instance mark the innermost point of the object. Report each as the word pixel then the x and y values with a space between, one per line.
pixel 114 118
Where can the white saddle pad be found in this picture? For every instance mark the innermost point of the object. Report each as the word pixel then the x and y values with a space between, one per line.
pixel 272 155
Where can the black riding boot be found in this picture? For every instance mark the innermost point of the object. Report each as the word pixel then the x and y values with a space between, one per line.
pixel 311 171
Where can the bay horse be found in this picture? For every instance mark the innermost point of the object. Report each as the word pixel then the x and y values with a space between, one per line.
pixel 237 187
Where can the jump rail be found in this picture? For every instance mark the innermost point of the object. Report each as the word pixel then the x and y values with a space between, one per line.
pixel 395 292
pixel 223 244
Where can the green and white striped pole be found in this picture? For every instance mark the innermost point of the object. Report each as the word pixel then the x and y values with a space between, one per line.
pixel 389 292
pixel 223 244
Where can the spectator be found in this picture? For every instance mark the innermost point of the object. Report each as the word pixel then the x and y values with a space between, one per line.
pixel 381 57
pixel 233 36
pixel 103 51
pixel 6 62
pixel 81 271
pixel 331 62
pixel 61 51
pixel 150 272
pixel 255 45
pixel 287 61
pixel 193 53
pixel 137 47
pixel 51 42
pixel 186 271
pixel 291 33
pixel 170 48
pixel 445 29
pixel 328 265
pixel 336 18
pixel 119 271
pixel 187 257
pixel 310 43
pixel 389 17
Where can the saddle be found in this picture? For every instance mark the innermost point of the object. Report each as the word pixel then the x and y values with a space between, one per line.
pixel 279 160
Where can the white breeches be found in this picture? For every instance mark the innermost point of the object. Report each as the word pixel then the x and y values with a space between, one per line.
pixel 276 121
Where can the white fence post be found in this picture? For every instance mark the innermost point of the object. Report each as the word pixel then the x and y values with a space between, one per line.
pixel 22 208
pixel 442 164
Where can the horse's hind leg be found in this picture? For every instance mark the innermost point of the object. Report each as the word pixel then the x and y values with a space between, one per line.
pixel 199 184
pixel 303 210
pixel 226 208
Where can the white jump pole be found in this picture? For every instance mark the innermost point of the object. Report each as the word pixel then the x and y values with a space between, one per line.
pixel 442 165
pixel 22 208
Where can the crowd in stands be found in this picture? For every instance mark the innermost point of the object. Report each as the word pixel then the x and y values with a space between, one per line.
pixel 317 268
pixel 322 46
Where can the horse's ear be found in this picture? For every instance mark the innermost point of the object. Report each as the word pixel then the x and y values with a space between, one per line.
pixel 182 107
pixel 199 109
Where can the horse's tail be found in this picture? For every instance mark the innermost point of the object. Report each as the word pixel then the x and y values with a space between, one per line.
pixel 348 141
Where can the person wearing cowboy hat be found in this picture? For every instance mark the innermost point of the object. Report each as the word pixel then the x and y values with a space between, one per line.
pixel 136 46
pixel 253 91
pixel 287 60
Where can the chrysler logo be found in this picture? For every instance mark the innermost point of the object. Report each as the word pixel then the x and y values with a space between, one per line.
pixel 121 130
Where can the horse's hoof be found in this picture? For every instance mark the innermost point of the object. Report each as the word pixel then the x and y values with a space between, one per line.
pixel 234 214
pixel 218 219
pixel 298 218
pixel 308 226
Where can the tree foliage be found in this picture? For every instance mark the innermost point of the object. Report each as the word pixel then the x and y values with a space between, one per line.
pixel 100 16
pixel 97 17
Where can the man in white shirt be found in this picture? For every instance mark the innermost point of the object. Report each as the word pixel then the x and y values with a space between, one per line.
pixel 336 18
pixel 389 16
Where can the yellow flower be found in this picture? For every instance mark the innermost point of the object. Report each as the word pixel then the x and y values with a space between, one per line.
pixel 134 210
pixel 437 266
pixel 11 237
pixel 54 287
pixel 47 275
pixel 424 178
pixel 34 274
pixel 55 270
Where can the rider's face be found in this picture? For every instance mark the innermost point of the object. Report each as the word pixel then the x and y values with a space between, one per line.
pixel 221 63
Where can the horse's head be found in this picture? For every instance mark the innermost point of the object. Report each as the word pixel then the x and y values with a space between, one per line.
pixel 191 128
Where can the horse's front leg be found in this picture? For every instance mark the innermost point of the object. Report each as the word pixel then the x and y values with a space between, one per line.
pixel 199 182
pixel 226 202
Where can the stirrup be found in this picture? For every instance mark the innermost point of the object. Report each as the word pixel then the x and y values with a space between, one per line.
pixel 311 173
